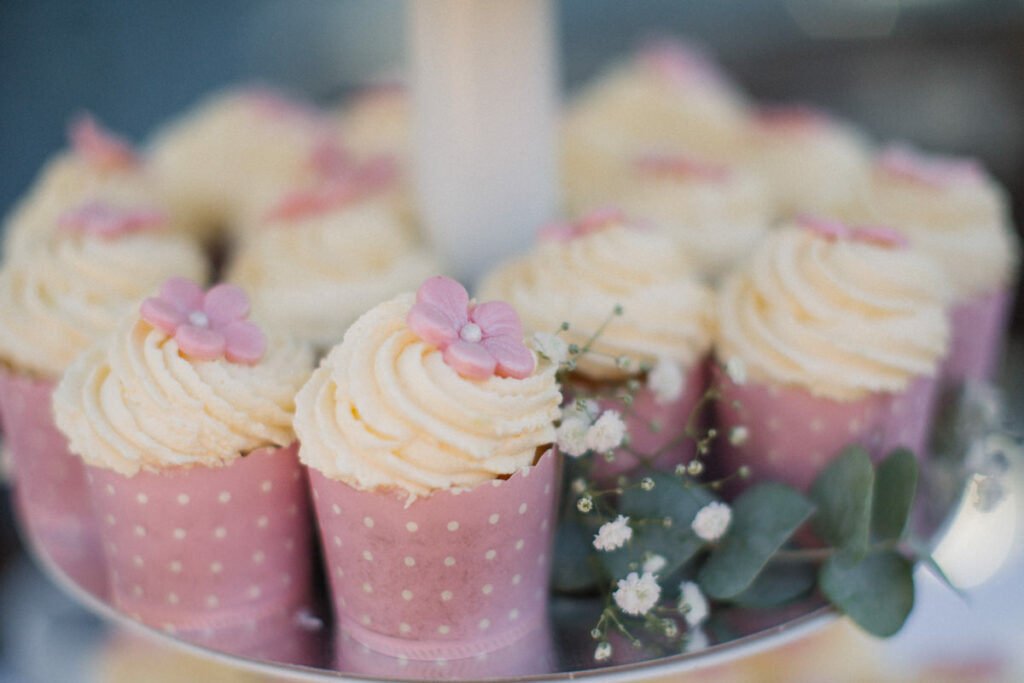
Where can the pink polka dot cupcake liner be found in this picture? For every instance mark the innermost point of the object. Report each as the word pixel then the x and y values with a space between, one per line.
pixel 793 434
pixel 652 426
pixel 979 330
pixel 50 491
pixel 203 552
pixel 451 575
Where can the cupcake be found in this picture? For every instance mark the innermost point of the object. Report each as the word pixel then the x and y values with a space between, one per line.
pixel 97 167
pixel 580 273
pixel 377 121
pixel 219 163
pixel 811 162
pixel 952 210
pixel 668 98
pixel 326 253
pixel 829 336
pixel 183 418
pixel 427 434
pixel 715 212
pixel 57 297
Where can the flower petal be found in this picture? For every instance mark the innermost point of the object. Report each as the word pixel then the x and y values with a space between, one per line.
pixel 448 296
pixel 472 361
pixel 200 342
pixel 497 319
pixel 225 303
pixel 184 294
pixel 512 357
pixel 161 314
pixel 245 343
pixel 99 147
pixel 431 325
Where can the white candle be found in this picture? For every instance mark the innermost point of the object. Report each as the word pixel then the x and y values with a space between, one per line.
pixel 485 99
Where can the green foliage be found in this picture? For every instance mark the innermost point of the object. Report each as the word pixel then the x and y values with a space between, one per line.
pixel 895 488
pixel 843 494
pixel 877 592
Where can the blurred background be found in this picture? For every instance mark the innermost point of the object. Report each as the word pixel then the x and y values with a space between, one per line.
pixel 944 74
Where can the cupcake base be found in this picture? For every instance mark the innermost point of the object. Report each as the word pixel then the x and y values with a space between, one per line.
pixel 447 576
pixel 979 328
pixel 794 434
pixel 50 491
pixel 202 552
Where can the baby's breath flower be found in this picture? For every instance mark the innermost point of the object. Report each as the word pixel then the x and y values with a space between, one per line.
pixel 551 346
pixel 607 432
pixel 579 485
pixel 654 564
pixel 680 469
pixel 623 362
pixel 738 435
pixel 613 535
pixel 571 435
pixel 637 594
pixel 596 633
pixel 585 504
pixel 696 640
pixel 603 651
pixel 744 471
pixel 647 484
pixel 736 369
pixel 692 603
pixel 712 521
pixel 665 380
pixel 694 468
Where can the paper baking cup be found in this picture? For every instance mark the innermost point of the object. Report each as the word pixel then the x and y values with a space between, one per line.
pixel 793 434
pixel 452 575
pixel 671 418
pixel 979 329
pixel 195 550
pixel 49 482
pixel 531 655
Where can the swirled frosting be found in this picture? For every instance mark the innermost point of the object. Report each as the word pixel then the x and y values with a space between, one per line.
pixel 222 161
pixel 667 312
pixel 839 318
pixel 385 410
pixel 63 294
pixel 716 214
pixel 313 276
pixel 135 402
pixel 960 219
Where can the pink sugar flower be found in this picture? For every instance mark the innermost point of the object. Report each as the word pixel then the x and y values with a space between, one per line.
pixel 478 340
pixel 679 63
pixel 206 325
pixel 682 166
pixel 933 171
pixel 99 219
pixel 595 221
pixel 340 185
pixel 98 147
pixel 795 118
pixel 833 230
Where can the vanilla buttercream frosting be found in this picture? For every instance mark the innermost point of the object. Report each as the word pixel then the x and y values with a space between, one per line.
pixel 666 312
pixel 952 210
pixel 66 292
pixel 384 410
pixel 314 275
pixel 715 212
pixel 136 402
pixel 841 318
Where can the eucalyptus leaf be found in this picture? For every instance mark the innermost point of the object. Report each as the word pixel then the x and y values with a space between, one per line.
pixel 573 570
pixel 669 498
pixel 779 584
pixel 762 519
pixel 938 572
pixel 895 488
pixel 877 592
pixel 843 493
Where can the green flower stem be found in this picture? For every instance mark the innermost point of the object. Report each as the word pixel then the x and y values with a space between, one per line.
pixel 822 554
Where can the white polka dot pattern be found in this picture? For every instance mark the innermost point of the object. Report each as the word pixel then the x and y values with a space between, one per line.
pixel 793 434
pixel 235 572
pixel 439 593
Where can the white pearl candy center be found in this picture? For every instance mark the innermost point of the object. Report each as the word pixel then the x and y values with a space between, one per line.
pixel 471 332
pixel 199 319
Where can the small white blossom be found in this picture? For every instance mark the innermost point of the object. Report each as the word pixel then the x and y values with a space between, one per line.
pixel 579 485
pixel 637 594
pixel 613 535
pixel 692 603
pixel 607 432
pixel 571 435
pixel 666 381
pixel 697 640
pixel 654 564
pixel 585 504
pixel 736 369
pixel 551 346
pixel 603 651
pixel 739 435
pixel 712 521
